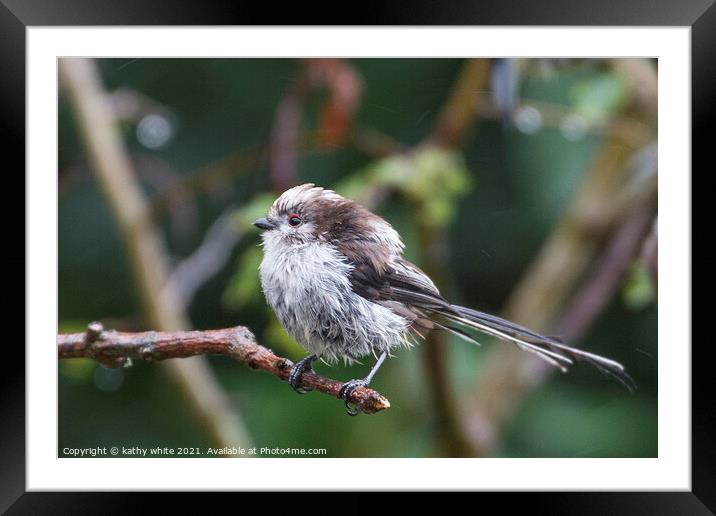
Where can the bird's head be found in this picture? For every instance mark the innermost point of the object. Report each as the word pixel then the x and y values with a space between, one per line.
pixel 309 213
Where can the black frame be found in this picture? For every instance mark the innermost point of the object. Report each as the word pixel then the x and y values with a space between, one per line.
pixel 700 15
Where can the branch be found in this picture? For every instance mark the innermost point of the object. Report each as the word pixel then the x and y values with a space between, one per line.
pixel 335 115
pixel 649 252
pixel 285 133
pixel 594 295
pixel 113 349
pixel 458 113
pixel 450 433
pixel 207 260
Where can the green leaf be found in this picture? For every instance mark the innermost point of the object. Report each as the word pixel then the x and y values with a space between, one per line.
pixel 598 97
pixel 431 178
pixel 78 370
pixel 639 289
pixel 276 338
pixel 244 286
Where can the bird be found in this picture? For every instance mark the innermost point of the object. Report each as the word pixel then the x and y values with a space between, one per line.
pixel 335 276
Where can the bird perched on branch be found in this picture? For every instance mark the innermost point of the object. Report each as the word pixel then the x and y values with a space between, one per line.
pixel 335 276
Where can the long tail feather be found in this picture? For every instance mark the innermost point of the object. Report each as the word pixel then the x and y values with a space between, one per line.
pixel 550 349
pixel 458 332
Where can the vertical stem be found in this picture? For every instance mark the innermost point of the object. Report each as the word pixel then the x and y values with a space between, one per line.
pixel 451 438
pixel 456 117
pixel 458 113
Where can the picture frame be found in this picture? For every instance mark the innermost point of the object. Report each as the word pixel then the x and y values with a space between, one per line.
pixel 17 16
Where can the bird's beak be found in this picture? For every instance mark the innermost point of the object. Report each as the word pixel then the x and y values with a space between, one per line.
pixel 264 223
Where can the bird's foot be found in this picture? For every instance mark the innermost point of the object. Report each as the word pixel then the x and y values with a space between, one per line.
pixel 345 394
pixel 300 367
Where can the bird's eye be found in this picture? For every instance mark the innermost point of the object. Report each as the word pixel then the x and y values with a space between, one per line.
pixel 294 220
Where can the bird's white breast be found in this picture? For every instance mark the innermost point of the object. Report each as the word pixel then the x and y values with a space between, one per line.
pixel 308 286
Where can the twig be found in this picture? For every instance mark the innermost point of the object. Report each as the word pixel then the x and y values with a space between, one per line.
pixel 213 253
pixel 216 176
pixel 285 132
pixel 344 92
pixel 458 112
pixel 182 205
pixel 374 143
pixel 113 349
pixel 450 434
pixel 649 252
pixel 594 295
pixel 209 178
pixel 631 129
pixel 112 168
pixel 336 114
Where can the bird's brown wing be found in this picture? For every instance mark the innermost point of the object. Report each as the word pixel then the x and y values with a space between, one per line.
pixel 404 282
pixel 401 282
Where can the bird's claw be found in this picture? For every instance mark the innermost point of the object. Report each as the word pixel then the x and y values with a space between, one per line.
pixel 300 367
pixel 345 393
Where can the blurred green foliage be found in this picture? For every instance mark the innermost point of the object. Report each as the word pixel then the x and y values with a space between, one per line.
pixel 431 178
pixel 601 95
pixel 498 195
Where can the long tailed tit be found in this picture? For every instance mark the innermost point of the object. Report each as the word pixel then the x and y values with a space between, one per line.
pixel 335 276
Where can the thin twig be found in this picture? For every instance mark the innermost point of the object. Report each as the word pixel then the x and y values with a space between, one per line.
pixel 113 349
pixel 336 115
pixel 283 159
pixel 595 294
pixel 450 434
pixel 458 113
pixel 210 178
pixel 649 252
pixel 217 175
pixel 631 129
pixel 208 259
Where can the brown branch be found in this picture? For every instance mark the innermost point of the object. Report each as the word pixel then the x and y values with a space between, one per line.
pixel 285 132
pixel 335 117
pixel 450 435
pixel 207 260
pixel 649 252
pixel 594 295
pixel 337 111
pixel 375 144
pixel 210 178
pixel 630 129
pixel 113 349
pixel 458 113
